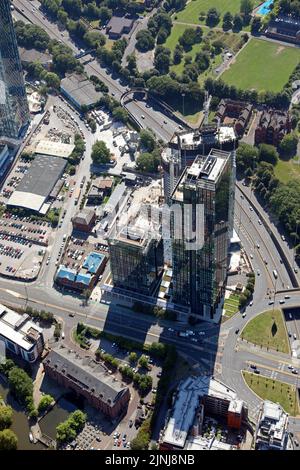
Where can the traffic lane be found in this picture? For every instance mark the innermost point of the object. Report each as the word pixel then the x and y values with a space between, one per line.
pixel 273 373
pixel 37 17
pixel 268 249
pixel 284 245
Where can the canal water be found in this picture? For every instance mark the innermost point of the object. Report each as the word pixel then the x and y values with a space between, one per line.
pixel 20 424
pixel 59 413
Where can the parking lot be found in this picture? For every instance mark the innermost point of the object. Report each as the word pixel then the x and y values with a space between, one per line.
pixel 77 250
pixel 26 228
pixel 14 179
pixel 19 258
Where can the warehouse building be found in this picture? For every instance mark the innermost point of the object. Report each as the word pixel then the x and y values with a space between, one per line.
pixel 80 91
pixel 88 379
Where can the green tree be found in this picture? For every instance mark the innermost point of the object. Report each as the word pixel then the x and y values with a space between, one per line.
pixel 144 41
pixel 288 145
pixel 20 384
pixel 143 361
pixel 268 153
pixel 5 417
pixel 246 157
pixel 8 440
pixel 100 153
pixel 45 402
pixel 212 17
pixel 237 22
pixel 147 139
pixel 132 357
pixel 246 10
pixel 148 162
pixel 120 114
pixel 52 80
pixel 227 21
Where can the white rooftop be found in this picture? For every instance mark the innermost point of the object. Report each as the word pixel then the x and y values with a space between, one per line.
pixel 187 402
pixel 9 327
pixel 57 149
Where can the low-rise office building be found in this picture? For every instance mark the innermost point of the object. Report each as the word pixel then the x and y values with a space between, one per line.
pixel 88 379
pixel 118 25
pixel 273 126
pixel 20 335
pixel 196 397
pixel 100 188
pixel 84 221
pixel 272 432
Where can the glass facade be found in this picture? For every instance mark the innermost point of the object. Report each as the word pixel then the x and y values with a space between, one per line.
pixel 199 275
pixel 134 267
pixel 14 112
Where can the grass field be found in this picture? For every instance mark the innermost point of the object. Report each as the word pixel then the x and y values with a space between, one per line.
pixel 273 390
pixel 260 331
pixel 285 170
pixel 262 65
pixel 231 306
pixel 192 10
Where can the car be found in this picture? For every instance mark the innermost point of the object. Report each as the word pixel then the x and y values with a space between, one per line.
pixel 258 272
pixel 253 366
pixel 71 315
pixel 170 329
pixel 259 222
pixel 243 315
pixel 128 445
pixel 158 374
pixel 294 336
pixel 124 437
pixel 283 238
pixel 119 443
pixel 280 261
pixel 63 335
pixel 142 116
pixel 256 371
pixel 290 316
pixel 251 303
pixel 165 122
pixel 194 340
pixel 251 208
pixel 154 390
pixel 282 301
pixel 237 331
pixel 251 256
pixel 257 245
pixel 180 127
pixel 296 443
pixel 287 296
pixel 295 270
pixel 265 261
pixel 290 367
pixel 294 371
pixel 290 334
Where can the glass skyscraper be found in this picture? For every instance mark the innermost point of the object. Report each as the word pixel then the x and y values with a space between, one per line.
pixel 14 111
pixel 199 273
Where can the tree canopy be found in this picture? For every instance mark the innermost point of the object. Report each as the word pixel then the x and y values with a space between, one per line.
pixel 100 153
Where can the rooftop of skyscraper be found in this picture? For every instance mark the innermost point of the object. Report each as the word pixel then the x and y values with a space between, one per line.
pixel 203 169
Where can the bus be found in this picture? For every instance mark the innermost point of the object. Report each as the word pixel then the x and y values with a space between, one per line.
pixel 77 196
pixel 275 274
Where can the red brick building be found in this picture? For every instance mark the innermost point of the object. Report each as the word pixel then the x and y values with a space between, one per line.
pixel 84 221
pixel 273 126
pixel 237 113
pixel 88 379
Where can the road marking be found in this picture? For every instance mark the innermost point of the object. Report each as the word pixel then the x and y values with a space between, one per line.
pixel 270 368
pixel 13 293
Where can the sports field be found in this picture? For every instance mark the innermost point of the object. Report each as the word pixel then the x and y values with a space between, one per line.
pixel 262 65
pixel 192 10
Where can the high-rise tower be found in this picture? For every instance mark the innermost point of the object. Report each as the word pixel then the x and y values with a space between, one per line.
pixel 206 188
pixel 14 111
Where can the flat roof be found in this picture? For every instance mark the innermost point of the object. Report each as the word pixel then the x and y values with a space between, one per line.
pixel 56 149
pixel 117 23
pixel 15 327
pixel 80 89
pixel 187 402
pixel 115 198
pixel 38 182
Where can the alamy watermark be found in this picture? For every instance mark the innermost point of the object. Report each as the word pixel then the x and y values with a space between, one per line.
pixel 177 222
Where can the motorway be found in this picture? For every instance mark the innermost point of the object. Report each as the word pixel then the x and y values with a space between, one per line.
pixel 153 118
